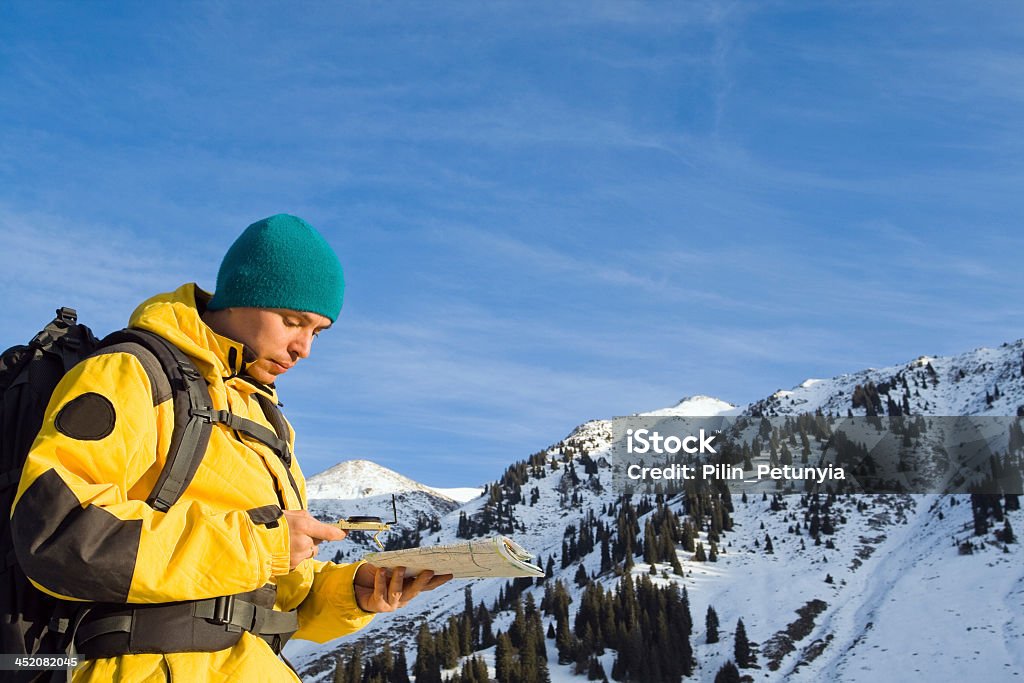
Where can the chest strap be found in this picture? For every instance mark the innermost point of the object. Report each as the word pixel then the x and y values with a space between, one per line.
pixel 191 626
pixel 250 428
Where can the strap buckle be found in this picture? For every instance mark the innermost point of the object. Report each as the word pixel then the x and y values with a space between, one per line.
pixel 223 610
pixel 189 372
pixel 59 624
pixel 68 316
pixel 210 415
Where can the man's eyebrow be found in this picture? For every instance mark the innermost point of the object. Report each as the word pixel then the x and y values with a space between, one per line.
pixel 305 317
pixel 310 320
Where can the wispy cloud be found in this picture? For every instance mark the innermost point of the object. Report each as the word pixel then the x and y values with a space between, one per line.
pixel 105 271
pixel 547 212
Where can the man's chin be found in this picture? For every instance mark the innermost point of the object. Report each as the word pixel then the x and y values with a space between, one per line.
pixel 265 375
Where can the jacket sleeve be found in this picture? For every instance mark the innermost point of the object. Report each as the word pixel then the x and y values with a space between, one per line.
pixel 324 594
pixel 81 527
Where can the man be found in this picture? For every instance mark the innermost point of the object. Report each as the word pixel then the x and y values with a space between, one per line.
pixel 83 530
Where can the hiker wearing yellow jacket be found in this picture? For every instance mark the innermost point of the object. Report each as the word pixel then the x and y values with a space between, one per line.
pixel 84 532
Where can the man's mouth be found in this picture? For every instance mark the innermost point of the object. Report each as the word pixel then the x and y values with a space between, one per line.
pixel 283 367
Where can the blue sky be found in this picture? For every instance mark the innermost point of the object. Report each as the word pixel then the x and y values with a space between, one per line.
pixel 547 212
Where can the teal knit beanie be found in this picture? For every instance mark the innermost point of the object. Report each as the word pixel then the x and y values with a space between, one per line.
pixel 281 262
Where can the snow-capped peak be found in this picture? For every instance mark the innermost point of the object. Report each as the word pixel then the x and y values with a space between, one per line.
pixel 696 406
pixel 361 479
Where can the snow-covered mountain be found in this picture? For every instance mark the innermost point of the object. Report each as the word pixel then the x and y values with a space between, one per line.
pixel 360 479
pixel 901 589
pixel 696 406
pixel 980 382
pixel 360 487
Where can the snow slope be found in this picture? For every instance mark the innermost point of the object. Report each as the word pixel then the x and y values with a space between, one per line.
pixel 902 602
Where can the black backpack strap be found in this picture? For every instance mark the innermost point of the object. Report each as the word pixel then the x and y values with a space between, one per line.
pixel 172 374
pixel 192 405
pixel 190 626
pixel 274 416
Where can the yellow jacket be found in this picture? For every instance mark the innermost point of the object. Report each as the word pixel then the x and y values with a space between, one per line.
pixel 84 531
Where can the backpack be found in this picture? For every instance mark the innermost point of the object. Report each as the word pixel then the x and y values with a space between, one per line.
pixel 32 622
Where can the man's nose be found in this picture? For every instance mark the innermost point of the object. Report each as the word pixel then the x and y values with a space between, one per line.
pixel 302 344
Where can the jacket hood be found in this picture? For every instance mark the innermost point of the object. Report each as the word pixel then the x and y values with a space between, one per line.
pixel 176 316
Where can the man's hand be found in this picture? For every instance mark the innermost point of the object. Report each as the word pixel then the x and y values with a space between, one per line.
pixel 305 534
pixel 378 590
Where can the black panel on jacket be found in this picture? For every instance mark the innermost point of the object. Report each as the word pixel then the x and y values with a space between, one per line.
pixel 266 515
pixel 89 417
pixel 84 553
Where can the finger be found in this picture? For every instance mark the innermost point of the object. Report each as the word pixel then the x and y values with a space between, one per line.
pixel 413 587
pixel 365 575
pixel 366 600
pixel 325 532
pixel 439 580
pixel 396 586
pixel 429 583
pixel 306 524
pixel 421 580
pixel 377 599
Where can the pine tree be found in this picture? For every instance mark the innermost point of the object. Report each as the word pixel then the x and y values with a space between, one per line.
pixel 686 539
pixel 505 665
pixel 744 655
pixel 769 549
pixel 650 544
pixel 340 672
pixel 480 670
pixel 565 642
pixel 728 673
pixel 582 578
pixel 401 671
pixel 529 664
pixel 466 631
pixel 427 668
pixel 354 670
pixel 483 620
pixel 467 608
pixel 448 646
pixel 711 624
pixel 677 568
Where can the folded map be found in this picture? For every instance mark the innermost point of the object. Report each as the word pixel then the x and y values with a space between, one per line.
pixel 497 556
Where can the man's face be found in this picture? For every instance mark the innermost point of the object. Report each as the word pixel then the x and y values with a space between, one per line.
pixel 278 336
